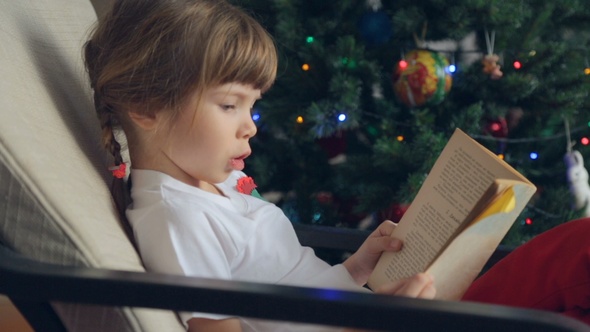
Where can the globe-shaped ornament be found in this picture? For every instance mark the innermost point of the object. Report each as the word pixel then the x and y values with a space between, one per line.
pixel 375 27
pixel 422 79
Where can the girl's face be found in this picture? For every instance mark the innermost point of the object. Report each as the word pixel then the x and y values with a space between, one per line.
pixel 204 146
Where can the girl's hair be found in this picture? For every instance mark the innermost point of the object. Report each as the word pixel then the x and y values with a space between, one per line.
pixel 151 55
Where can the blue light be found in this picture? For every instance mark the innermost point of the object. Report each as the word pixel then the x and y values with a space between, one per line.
pixel 451 69
pixel 329 294
pixel 256 116
pixel 342 117
pixel 534 156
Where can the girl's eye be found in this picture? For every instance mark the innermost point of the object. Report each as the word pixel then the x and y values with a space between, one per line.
pixel 228 107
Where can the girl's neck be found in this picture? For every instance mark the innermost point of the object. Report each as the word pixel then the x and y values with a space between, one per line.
pixel 154 165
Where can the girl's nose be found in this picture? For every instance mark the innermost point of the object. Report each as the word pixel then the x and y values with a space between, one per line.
pixel 249 129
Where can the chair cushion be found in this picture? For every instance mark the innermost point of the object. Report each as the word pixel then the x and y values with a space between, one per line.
pixel 53 172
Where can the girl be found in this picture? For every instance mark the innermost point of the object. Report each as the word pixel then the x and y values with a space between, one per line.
pixel 180 78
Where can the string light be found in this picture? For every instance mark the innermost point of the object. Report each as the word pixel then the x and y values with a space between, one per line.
pixel 587 70
pixel 350 63
pixel 400 138
pixel 305 67
pixel 256 116
pixel 528 221
pixel 495 126
pixel 585 141
pixel 309 39
pixel 299 119
pixel 342 117
pixel 451 69
pixel 534 155
pixel 501 156
pixel 403 64
pixel 517 64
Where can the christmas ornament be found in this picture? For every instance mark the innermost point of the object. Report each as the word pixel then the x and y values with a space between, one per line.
pixel 335 147
pixel 375 25
pixel 423 80
pixel 491 66
pixel 325 197
pixel 513 117
pixel 490 60
pixel 394 212
pixel 577 177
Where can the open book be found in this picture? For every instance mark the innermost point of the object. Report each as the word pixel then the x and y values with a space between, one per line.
pixel 465 207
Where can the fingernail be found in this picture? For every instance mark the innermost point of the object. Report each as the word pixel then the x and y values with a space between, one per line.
pixel 395 244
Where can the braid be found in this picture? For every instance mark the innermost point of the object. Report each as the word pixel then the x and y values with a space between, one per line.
pixel 119 189
pixel 108 121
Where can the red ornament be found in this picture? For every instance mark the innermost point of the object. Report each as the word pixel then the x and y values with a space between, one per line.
pixel 394 212
pixel 246 185
pixel 325 197
pixel 334 145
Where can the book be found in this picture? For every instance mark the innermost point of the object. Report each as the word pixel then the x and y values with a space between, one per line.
pixel 463 210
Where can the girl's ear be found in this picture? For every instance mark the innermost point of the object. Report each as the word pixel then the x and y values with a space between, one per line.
pixel 144 121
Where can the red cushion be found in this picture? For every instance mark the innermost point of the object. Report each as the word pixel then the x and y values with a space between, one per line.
pixel 550 272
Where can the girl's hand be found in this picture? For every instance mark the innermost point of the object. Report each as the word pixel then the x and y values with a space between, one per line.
pixel 363 261
pixel 420 285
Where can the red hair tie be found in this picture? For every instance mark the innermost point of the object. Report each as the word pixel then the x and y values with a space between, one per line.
pixel 119 171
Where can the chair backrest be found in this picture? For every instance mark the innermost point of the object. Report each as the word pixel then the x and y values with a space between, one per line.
pixel 54 181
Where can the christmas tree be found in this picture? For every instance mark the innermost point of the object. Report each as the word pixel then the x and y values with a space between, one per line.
pixel 368 93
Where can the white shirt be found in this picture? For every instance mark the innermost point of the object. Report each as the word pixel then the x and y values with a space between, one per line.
pixel 181 229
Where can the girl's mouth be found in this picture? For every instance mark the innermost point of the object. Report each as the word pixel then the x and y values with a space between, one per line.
pixel 238 163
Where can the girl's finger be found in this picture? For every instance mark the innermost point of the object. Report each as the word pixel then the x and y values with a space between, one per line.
pixel 385 228
pixel 429 292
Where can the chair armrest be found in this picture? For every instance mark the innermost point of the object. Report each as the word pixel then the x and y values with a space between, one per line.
pixel 349 240
pixel 27 280
pixel 325 237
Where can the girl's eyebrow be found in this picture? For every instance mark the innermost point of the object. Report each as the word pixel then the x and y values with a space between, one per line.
pixel 234 93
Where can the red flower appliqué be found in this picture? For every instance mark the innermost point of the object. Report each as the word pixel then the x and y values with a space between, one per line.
pixel 119 171
pixel 246 185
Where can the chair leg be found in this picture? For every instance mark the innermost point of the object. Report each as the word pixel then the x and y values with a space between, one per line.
pixel 40 315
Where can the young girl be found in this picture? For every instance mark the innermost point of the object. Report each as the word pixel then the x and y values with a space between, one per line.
pixel 180 78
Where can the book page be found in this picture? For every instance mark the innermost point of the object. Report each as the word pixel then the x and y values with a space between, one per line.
pixel 463 259
pixel 461 175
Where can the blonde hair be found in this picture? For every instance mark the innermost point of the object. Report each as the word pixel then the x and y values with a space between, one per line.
pixel 151 55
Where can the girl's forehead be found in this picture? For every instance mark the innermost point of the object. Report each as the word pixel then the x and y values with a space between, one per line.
pixel 236 89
